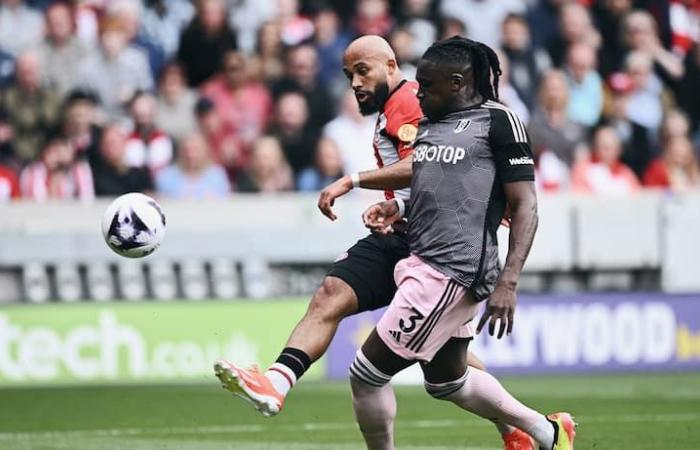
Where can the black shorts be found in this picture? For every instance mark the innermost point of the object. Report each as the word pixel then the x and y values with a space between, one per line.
pixel 369 268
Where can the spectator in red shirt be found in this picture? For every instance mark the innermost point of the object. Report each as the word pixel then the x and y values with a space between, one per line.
pixel 9 185
pixel 147 145
pixel 676 169
pixel 244 104
pixel 112 176
pixel 226 148
pixel 604 173
pixel 58 174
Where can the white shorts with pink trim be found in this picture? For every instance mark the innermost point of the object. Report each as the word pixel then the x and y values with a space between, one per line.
pixel 428 309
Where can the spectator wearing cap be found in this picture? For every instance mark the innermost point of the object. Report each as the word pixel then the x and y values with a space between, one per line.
pixel 20 27
pixel 205 40
pixel 301 75
pixel 585 85
pixel 176 101
pixel 79 124
pixel 636 139
pixel 269 171
pixel 225 146
pixel 117 70
pixel 112 175
pixel 58 174
pixel 195 175
pixel 9 185
pixel 604 173
pixel 677 168
pixel 243 103
pixel 62 51
pixel 147 145
pixel 31 109
pixel 550 127
pixel 526 61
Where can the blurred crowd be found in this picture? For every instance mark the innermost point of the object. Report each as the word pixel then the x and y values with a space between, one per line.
pixel 204 98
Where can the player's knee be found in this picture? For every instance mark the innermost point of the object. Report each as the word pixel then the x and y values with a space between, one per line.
pixel 364 376
pixel 442 391
pixel 333 301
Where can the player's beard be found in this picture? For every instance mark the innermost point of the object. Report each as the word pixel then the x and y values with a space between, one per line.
pixel 374 101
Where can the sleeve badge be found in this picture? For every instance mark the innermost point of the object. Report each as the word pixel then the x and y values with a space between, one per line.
pixel 407 132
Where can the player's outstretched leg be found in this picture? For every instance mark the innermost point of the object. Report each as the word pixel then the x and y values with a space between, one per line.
pixel 513 439
pixel 333 301
pixel 479 392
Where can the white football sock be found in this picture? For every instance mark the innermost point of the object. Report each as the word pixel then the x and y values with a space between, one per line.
pixel 281 377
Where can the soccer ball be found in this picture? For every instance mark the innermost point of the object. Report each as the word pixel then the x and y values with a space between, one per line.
pixel 133 225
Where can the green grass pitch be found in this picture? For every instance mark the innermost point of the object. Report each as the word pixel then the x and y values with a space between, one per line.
pixel 618 412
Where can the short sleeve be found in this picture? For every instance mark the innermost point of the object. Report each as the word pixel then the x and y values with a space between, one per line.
pixel 403 114
pixel 510 145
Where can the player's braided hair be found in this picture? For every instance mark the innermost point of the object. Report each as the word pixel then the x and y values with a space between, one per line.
pixel 483 60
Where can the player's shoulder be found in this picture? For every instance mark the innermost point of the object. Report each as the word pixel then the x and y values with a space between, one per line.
pixel 506 126
pixel 404 101
pixel 403 112
pixel 407 89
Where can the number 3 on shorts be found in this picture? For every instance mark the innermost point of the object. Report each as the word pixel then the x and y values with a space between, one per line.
pixel 412 321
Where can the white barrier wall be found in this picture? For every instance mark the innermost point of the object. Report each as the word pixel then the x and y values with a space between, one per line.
pixel 219 242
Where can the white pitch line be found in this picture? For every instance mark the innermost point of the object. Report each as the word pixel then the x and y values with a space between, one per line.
pixel 316 426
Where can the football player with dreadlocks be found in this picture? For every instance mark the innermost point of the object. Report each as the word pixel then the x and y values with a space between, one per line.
pixel 471 160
